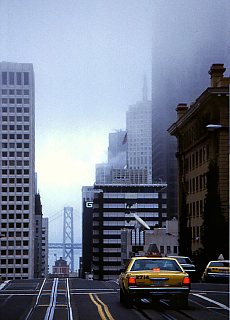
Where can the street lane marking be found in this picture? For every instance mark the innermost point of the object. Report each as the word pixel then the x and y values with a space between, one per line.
pixel 223 306
pixel 105 308
pixel 82 293
pixel 209 291
pixel 83 289
pixel 99 307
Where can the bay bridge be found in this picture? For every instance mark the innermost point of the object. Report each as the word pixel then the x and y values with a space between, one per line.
pixel 67 245
pixel 61 245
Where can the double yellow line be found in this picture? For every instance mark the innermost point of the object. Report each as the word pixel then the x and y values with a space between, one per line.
pixel 102 308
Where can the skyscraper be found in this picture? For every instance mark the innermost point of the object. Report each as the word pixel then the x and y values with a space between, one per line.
pixel 139 135
pixel 17 174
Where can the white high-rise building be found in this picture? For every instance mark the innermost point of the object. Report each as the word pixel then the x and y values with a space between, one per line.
pixel 139 136
pixel 17 173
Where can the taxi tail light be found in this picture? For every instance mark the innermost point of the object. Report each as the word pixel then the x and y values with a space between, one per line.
pixel 131 280
pixel 186 281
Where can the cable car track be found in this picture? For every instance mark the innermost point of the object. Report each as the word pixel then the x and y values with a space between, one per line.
pixel 52 300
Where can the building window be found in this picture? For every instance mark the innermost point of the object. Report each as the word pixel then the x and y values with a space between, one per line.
pixel 26 78
pixel 19 100
pixel 11 78
pixel 4 77
pixel 19 78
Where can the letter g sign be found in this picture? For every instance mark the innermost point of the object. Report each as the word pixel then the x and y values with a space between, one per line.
pixel 89 204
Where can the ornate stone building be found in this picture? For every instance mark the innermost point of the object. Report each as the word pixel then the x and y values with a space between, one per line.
pixel 202 132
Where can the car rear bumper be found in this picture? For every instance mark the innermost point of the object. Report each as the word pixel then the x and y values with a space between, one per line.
pixel 218 275
pixel 158 292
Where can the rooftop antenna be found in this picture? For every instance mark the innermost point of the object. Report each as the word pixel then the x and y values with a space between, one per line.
pixel 141 222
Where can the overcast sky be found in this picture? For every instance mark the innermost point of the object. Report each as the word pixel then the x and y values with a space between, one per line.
pixel 89 58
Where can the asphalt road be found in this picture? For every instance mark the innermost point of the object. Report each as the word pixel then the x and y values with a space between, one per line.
pixel 74 299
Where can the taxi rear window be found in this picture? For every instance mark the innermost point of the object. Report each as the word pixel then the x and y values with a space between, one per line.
pixel 219 264
pixel 155 264
pixel 184 260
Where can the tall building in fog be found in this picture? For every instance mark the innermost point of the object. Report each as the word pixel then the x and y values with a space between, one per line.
pixel 139 136
pixel 17 176
pixel 117 149
pixel 182 51
pixel 130 150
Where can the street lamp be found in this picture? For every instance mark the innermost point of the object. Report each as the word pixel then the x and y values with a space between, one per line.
pixel 213 127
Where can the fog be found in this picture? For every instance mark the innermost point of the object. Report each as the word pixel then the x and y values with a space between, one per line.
pixel 89 58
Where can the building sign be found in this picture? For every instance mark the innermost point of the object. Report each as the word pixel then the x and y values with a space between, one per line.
pixel 89 204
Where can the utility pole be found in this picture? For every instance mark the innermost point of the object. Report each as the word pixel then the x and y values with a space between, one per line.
pixel 68 242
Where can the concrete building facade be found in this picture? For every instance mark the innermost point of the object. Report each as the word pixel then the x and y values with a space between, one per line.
pixel 17 174
pixel 113 210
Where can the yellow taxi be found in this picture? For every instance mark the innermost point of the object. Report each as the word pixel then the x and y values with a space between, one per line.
pixel 154 278
pixel 216 271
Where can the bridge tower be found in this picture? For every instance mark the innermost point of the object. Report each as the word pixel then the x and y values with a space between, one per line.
pixel 68 242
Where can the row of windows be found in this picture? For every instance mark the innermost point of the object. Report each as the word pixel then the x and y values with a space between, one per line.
pixel 11 154
pixel 13 145
pixel 13 119
pixel 135 161
pixel 15 180
pixel 15 101
pixel 14 261
pixel 15 109
pixel 12 127
pixel 17 252
pixel 18 92
pixel 196 208
pixel 12 243
pixel 17 216
pixel 15 189
pixel 139 205
pixel 13 207
pixel 197 184
pixel 18 136
pixel 13 171
pixel 143 215
pixel 133 195
pixel 9 271
pixel 14 225
pixel 15 78
pixel 197 158
pixel 12 163
pixel 6 207
pixel 168 249
pixel 15 198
